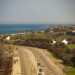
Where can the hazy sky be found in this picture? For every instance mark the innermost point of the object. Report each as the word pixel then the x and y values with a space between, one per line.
pixel 37 11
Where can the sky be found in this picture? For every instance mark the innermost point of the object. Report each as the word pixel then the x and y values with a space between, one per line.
pixel 37 11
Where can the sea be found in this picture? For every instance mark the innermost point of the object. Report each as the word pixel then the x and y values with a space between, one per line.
pixel 14 28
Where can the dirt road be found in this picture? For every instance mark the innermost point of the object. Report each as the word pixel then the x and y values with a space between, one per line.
pixel 31 58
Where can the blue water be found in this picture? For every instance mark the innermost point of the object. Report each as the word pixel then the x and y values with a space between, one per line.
pixel 12 28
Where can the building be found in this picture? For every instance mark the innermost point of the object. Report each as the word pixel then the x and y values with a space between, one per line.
pixel 7 38
pixel 53 42
pixel 65 41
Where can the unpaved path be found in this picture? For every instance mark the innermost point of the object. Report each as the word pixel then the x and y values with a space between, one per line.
pixel 30 56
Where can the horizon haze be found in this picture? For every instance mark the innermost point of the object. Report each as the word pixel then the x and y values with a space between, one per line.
pixel 37 11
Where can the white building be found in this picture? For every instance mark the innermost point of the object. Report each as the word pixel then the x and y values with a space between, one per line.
pixel 54 42
pixel 8 38
pixel 65 41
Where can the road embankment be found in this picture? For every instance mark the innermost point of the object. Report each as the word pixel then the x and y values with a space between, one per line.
pixel 16 68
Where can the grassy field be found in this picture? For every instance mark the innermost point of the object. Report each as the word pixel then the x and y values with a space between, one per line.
pixel 71 46
pixel 70 70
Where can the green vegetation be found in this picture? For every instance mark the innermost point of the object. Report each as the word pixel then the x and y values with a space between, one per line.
pixel 70 70
pixel 71 46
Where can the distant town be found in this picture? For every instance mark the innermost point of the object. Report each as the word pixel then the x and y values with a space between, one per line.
pixel 63 31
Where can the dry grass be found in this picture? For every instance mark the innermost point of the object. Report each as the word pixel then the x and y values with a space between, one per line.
pixel 6 54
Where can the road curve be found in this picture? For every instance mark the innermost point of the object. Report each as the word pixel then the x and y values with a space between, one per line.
pixel 28 62
pixel 48 66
